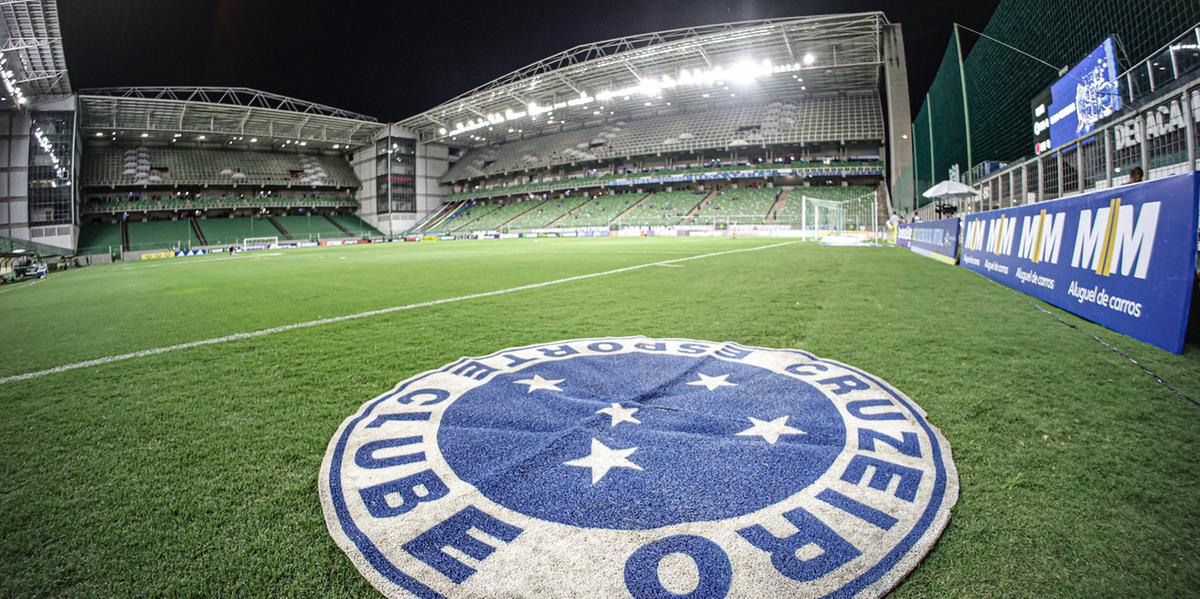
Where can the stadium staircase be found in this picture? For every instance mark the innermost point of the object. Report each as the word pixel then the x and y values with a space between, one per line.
pixel 282 231
pixel 687 220
pixel 196 229
pixel 125 235
pixel 779 202
pixel 630 209
pixel 439 217
pixel 339 226
pixel 474 213
pixel 574 210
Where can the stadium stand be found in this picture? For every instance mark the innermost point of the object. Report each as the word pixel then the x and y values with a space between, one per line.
pixel 820 168
pixel 156 234
pixel 792 211
pixel 600 211
pixel 664 208
pixel 113 166
pixel 309 227
pixel 841 117
pixel 230 231
pixel 467 215
pixel 99 238
pixel 108 204
pixel 354 225
pixel 547 212
pixel 504 212
pixel 738 206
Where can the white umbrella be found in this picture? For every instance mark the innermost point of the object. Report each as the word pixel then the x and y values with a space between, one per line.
pixel 950 190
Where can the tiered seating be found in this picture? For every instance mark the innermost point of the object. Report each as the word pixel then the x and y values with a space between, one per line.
pixel 547 213
pixel 738 206
pixel 119 204
pixel 355 225
pixel 792 211
pixel 229 231
pixel 465 216
pixel 99 238
pixel 665 208
pixel 159 234
pixel 107 166
pixel 602 211
pixel 504 212
pixel 309 227
pixel 830 118
pixel 817 168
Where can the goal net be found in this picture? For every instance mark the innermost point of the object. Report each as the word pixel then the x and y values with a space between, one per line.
pixel 855 216
pixel 260 243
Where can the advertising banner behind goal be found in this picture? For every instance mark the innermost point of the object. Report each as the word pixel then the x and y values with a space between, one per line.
pixel 1124 258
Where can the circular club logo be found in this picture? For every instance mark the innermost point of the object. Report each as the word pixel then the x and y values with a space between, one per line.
pixel 638 467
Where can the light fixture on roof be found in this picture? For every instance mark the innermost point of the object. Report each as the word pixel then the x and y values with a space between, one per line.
pixel 441 130
pixel 809 58
pixel 202 137
pixel 99 134
pixel 253 140
pixel 336 146
pixel 145 135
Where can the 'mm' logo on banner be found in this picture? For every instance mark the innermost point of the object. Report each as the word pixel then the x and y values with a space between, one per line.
pixel 1123 257
pixel 1116 236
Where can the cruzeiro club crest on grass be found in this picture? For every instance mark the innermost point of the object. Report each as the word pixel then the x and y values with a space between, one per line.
pixel 638 467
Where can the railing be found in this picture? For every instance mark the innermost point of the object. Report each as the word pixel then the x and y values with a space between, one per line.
pixel 1159 136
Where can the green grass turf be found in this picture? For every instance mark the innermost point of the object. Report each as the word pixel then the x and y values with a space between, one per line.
pixel 195 472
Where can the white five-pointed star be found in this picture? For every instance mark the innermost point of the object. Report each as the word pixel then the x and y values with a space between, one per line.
pixel 537 383
pixel 619 414
pixel 712 382
pixel 772 430
pixel 602 459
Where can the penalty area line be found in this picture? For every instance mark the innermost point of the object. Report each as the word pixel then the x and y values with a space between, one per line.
pixel 368 314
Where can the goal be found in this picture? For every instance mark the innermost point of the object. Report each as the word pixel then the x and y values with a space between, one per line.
pixel 260 243
pixel 854 216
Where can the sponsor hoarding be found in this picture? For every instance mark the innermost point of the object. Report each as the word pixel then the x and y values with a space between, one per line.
pixel 1124 258
pixel 937 239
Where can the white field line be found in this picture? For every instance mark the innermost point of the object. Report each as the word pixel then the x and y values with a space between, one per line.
pixel 16 286
pixel 669 265
pixel 335 319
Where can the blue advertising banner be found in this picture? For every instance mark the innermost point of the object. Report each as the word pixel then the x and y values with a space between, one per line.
pixel 937 239
pixel 1124 258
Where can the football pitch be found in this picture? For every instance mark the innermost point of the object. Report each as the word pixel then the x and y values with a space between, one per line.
pixel 156 465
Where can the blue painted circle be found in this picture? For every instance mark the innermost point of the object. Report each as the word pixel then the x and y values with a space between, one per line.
pixel 513 444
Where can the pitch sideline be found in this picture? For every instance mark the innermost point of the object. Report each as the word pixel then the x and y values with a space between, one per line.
pixel 359 315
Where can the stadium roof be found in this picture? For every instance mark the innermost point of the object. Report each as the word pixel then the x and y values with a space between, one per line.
pixel 769 60
pixel 35 66
pixel 224 113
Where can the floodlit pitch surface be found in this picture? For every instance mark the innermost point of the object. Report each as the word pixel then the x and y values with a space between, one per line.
pixel 194 471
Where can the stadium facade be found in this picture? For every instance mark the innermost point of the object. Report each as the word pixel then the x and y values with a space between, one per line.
pixel 767 122
pixel 976 119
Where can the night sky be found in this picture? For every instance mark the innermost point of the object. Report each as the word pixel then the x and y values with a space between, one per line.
pixel 392 59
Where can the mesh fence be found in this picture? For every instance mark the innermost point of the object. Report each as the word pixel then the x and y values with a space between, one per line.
pixel 1000 82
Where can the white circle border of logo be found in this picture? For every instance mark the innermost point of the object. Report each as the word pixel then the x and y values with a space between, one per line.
pixel 413 527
